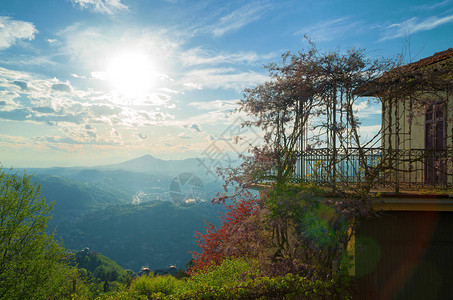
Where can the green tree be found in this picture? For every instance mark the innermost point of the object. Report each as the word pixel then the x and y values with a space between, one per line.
pixel 31 261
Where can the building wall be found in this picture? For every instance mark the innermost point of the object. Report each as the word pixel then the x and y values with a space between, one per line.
pixel 405 255
pixel 398 132
pixel 403 129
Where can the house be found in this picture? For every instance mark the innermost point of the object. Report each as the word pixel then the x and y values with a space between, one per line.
pixel 407 251
pixel 417 112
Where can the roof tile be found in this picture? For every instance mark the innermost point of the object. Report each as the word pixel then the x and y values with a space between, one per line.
pixel 437 57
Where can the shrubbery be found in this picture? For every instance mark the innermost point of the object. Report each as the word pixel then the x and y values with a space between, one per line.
pixel 233 279
pixel 230 272
pixel 264 288
pixel 149 285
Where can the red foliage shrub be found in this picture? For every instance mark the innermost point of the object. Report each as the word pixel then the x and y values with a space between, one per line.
pixel 223 242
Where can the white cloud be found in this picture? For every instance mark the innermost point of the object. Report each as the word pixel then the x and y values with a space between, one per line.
pixel 239 18
pixel 8 99
pixel 168 90
pixel 22 60
pixel 100 75
pixel 330 30
pixel 184 136
pixel 194 127
pixel 216 105
pixel 367 109
pixel 78 76
pixel 225 78
pixel 433 6
pixel 88 139
pixel 198 56
pixel 7 75
pixel 13 30
pixel 12 139
pixel 414 25
pixel 101 6
pixel 368 132
pixel 192 85
pixel 52 102
pixel 62 87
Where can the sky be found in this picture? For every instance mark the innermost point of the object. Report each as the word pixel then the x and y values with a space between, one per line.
pixel 89 82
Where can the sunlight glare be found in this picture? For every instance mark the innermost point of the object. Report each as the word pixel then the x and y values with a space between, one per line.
pixel 131 73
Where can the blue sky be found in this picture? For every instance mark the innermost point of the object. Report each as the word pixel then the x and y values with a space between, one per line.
pixel 86 82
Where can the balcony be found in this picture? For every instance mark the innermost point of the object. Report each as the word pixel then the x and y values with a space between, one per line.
pixel 385 170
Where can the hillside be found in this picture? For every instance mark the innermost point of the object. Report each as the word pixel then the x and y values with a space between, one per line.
pixel 121 182
pixel 94 208
pixel 73 197
pixel 98 266
pixel 156 233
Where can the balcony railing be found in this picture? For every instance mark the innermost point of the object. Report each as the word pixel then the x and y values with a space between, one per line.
pixel 408 169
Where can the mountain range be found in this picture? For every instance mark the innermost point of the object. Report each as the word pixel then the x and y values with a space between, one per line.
pixel 149 164
pixel 125 211
pixel 146 164
pixel 85 188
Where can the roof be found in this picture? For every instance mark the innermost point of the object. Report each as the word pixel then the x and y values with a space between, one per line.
pixel 437 57
pixel 412 74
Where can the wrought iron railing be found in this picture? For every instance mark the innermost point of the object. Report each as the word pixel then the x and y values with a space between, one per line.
pixel 386 168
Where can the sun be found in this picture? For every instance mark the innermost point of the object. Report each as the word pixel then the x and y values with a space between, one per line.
pixel 131 72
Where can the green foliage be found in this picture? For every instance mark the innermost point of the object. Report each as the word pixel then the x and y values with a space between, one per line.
pixel 282 287
pixel 149 285
pixel 181 274
pixel 99 266
pixel 317 229
pixel 121 296
pixel 292 200
pixel 227 273
pixel 31 264
pixel 232 279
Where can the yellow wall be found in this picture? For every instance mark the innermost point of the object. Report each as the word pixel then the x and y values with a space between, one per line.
pixel 399 134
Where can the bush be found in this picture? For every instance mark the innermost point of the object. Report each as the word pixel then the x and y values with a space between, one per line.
pixel 121 296
pixel 230 272
pixel 281 287
pixel 231 280
pixel 148 285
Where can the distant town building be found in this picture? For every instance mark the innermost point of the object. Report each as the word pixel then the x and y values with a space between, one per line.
pixel 145 270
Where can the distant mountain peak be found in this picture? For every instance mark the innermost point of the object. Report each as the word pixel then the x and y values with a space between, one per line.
pixel 150 164
pixel 146 156
pixel 143 160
